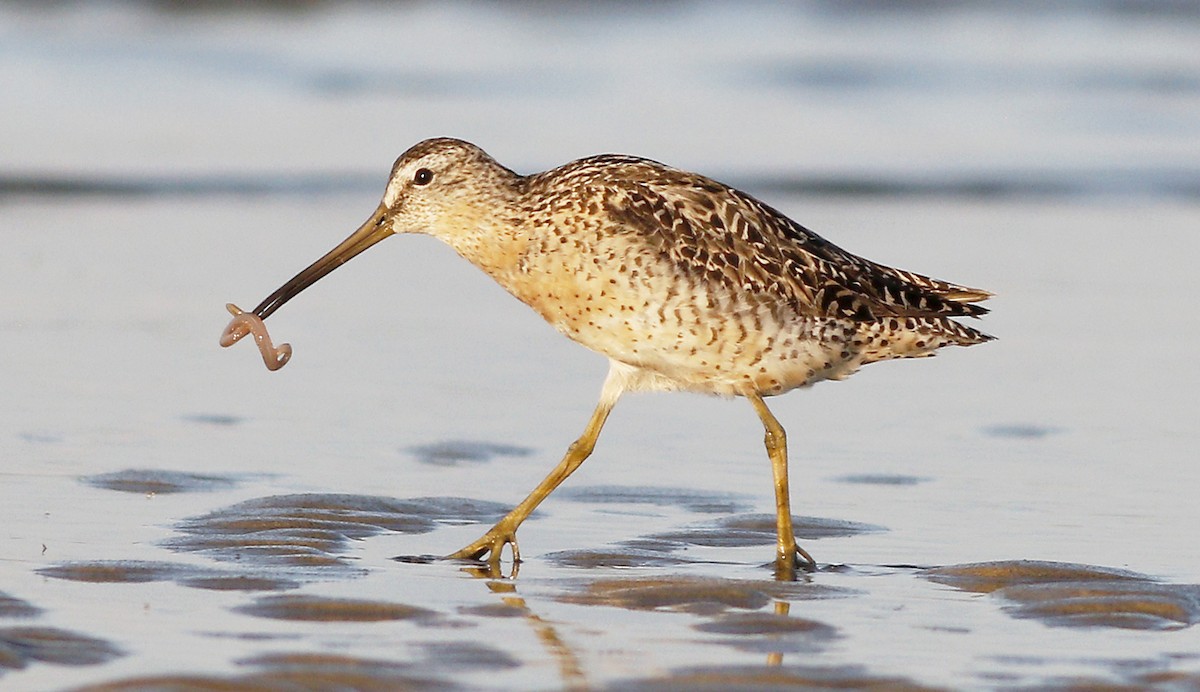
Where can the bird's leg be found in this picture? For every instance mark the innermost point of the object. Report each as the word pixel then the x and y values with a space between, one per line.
pixel 788 554
pixel 504 532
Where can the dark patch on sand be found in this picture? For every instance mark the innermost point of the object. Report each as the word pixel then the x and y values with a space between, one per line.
pixel 465 452
pixel 1074 595
pixel 158 482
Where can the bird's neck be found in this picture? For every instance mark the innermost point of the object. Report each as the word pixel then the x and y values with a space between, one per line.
pixel 491 238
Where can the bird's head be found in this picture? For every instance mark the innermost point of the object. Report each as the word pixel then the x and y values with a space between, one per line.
pixel 441 187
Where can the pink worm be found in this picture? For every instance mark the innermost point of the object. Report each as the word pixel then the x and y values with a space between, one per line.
pixel 244 323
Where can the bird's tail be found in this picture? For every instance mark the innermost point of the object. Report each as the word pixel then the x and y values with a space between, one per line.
pixel 943 289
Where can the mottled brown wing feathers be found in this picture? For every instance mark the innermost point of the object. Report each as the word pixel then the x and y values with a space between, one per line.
pixel 718 234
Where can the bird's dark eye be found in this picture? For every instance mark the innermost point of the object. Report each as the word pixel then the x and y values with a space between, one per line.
pixel 422 176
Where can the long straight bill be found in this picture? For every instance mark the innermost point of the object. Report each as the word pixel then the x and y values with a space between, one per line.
pixel 374 230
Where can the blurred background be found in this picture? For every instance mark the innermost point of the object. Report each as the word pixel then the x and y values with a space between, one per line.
pixel 984 97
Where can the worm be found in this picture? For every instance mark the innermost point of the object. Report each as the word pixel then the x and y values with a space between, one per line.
pixel 244 323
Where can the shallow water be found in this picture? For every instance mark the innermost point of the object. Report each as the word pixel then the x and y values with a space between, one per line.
pixel 1017 514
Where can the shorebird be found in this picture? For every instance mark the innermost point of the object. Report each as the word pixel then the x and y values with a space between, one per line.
pixel 684 283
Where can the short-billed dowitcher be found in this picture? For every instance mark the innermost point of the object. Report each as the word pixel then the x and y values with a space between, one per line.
pixel 683 282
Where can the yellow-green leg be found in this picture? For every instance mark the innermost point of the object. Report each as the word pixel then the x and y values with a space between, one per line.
pixel 788 554
pixel 504 532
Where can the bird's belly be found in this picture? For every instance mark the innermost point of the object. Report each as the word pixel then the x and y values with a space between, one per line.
pixel 704 343
pixel 726 358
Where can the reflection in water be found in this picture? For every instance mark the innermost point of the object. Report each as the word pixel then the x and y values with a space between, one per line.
pixel 491 570
pixel 782 608
pixel 569 670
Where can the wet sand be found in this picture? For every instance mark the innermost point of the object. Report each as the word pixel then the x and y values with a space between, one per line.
pixel 1020 514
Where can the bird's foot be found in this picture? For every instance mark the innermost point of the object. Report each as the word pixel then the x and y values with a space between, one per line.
pixel 787 562
pixel 491 545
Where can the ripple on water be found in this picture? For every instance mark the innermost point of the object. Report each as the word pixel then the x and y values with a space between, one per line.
pixel 1073 595
pixel 311 531
pixel 239 582
pixel 1021 431
pixel 759 529
pixel 744 530
pixel 321 609
pixel 685 498
pixel 12 607
pixel 703 595
pixel 494 610
pixel 616 557
pixel 726 678
pixel 216 419
pixel 295 671
pixel 764 632
pixel 880 479
pixel 20 646
pixel 466 656
pixel 464 452
pixel 122 571
pixel 156 481
pixel 142 571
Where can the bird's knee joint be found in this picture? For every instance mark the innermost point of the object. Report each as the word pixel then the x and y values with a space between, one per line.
pixel 581 447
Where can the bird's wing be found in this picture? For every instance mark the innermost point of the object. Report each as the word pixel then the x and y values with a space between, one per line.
pixel 721 235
